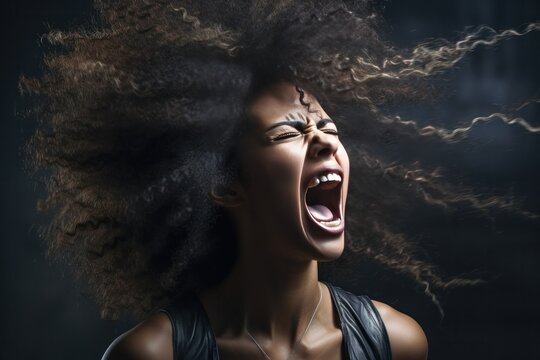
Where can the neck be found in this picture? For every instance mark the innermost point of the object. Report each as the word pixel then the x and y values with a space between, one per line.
pixel 271 298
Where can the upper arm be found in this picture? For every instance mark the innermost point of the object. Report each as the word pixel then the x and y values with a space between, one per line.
pixel 407 339
pixel 150 340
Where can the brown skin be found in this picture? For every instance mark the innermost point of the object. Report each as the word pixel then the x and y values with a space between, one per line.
pixel 274 288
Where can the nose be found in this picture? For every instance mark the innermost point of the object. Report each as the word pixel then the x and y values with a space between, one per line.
pixel 323 144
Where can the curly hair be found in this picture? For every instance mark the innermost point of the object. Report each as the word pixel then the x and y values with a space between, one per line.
pixel 139 114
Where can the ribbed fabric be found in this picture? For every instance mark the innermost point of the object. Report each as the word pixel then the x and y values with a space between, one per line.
pixel 364 334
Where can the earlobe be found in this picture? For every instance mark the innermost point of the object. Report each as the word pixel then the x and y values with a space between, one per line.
pixel 227 196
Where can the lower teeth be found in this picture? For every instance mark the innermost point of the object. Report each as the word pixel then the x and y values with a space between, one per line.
pixel 331 223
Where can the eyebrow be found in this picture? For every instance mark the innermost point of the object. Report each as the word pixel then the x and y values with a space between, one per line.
pixel 300 124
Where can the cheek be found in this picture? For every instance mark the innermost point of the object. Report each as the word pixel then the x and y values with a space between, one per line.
pixel 343 159
pixel 275 170
pixel 274 175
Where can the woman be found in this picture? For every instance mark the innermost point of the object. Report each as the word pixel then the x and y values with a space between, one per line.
pixel 288 208
pixel 192 169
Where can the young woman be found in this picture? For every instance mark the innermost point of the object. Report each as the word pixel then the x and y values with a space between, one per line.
pixel 196 176
pixel 287 207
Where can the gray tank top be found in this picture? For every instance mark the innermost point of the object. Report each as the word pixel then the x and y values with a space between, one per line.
pixel 364 334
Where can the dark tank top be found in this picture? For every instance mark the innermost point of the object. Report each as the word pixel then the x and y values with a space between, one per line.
pixel 364 334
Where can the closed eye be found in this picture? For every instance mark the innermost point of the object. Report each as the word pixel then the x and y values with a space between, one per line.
pixel 331 131
pixel 289 135
pixel 286 135
pixel 300 126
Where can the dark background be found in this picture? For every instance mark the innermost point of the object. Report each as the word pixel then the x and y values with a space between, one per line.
pixel 46 315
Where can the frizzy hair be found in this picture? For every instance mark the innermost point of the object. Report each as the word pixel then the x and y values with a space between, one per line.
pixel 138 117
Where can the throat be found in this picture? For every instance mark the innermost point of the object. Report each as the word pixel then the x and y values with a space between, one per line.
pixel 270 303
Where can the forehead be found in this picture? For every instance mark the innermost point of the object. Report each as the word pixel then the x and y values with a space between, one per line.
pixel 281 99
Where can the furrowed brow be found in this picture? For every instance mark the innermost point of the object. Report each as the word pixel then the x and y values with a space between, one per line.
pixel 298 124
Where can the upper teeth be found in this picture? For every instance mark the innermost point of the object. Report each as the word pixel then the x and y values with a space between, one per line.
pixel 324 178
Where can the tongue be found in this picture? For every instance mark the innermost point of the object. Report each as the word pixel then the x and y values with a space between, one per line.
pixel 320 212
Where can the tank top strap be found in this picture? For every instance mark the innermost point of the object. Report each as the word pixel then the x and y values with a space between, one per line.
pixel 193 338
pixel 364 333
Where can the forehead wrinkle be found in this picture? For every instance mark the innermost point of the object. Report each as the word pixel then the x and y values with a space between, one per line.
pixel 298 115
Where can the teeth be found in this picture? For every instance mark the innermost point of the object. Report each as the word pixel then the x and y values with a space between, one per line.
pixel 314 182
pixel 324 178
pixel 332 223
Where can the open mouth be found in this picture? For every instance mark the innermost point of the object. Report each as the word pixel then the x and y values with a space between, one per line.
pixel 323 201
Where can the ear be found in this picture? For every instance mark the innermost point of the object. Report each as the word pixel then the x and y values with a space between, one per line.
pixel 227 196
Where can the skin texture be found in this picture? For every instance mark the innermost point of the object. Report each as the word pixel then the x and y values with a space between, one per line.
pixel 273 287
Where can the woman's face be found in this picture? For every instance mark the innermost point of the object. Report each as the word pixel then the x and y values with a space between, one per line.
pixel 295 176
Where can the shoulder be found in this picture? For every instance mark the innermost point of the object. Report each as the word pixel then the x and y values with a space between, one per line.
pixel 407 339
pixel 150 340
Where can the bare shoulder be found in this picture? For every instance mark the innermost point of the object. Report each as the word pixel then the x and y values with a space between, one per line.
pixel 150 340
pixel 407 339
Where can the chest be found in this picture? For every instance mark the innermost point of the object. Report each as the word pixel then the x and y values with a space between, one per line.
pixel 357 334
pixel 321 346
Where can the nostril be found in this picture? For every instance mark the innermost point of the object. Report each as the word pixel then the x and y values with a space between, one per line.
pixel 324 152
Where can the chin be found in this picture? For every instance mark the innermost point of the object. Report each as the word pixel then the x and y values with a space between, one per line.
pixel 324 245
pixel 330 250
